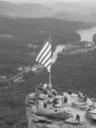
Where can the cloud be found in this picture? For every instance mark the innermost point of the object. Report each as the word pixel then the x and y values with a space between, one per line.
pixel 59 49
pixel 71 49
pixel 63 49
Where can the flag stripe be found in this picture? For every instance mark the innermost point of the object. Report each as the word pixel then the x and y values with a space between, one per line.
pixel 46 58
pixel 47 63
pixel 45 46
pixel 49 68
pixel 45 53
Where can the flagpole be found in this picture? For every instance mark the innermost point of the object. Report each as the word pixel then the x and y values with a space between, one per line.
pixel 50 73
pixel 50 79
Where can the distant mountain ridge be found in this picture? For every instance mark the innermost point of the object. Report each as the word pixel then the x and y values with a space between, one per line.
pixel 77 11
pixel 24 10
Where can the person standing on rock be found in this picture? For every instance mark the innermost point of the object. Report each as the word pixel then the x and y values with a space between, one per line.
pixel 65 101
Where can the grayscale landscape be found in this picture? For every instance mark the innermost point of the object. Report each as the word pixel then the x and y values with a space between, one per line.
pixel 24 27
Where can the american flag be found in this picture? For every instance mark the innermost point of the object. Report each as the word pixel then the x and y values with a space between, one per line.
pixel 44 56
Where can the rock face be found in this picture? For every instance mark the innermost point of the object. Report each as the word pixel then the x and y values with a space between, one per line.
pixel 35 122
pixel 39 117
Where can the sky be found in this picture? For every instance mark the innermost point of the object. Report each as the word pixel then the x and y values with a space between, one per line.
pixel 30 1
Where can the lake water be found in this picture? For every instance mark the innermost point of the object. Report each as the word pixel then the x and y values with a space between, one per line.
pixel 87 34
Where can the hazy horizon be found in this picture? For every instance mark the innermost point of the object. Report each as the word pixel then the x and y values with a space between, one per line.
pixel 42 1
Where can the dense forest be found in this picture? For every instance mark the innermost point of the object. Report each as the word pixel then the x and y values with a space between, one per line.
pixel 76 72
